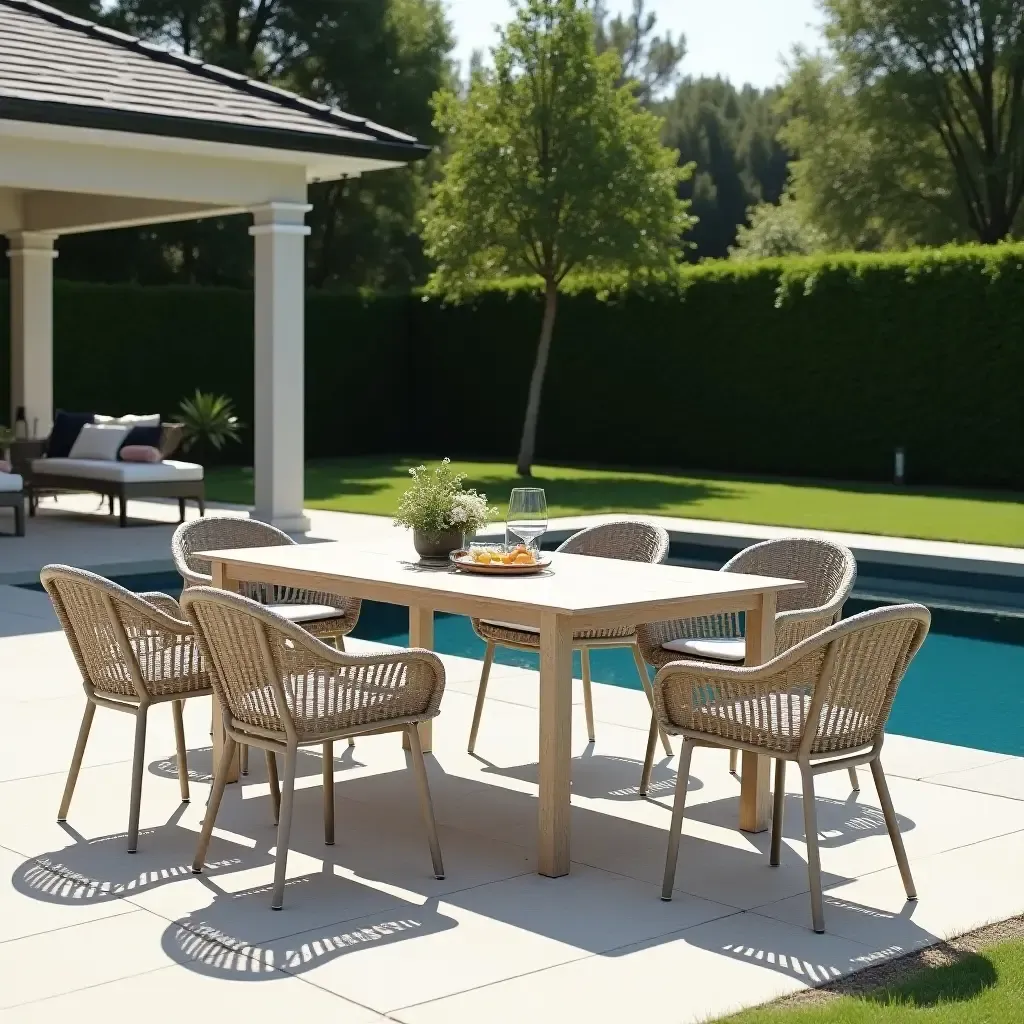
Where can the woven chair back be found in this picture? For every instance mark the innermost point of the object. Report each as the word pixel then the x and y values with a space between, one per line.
pixel 271 674
pixel 629 539
pixel 826 568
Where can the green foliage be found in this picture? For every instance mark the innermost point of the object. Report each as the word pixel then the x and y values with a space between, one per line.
pixel 913 131
pixel 552 167
pixel 777 229
pixel 437 502
pixel 728 134
pixel 813 367
pixel 650 63
pixel 209 421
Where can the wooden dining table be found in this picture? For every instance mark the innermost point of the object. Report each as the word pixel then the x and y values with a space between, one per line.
pixel 575 593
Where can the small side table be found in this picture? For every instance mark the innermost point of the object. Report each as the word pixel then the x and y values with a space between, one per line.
pixel 23 452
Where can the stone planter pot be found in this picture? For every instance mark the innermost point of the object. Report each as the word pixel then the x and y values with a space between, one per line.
pixel 437 545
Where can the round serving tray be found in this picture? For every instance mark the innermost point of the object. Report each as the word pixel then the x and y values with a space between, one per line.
pixel 462 561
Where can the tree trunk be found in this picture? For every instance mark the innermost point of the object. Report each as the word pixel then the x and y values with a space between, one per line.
pixel 528 442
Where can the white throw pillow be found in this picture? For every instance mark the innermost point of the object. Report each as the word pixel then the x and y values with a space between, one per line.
pixel 99 441
pixel 152 420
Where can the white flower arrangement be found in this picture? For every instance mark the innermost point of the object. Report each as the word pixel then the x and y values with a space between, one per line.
pixel 437 502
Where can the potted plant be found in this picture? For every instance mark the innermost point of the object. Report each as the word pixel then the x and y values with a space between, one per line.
pixel 440 512
pixel 209 421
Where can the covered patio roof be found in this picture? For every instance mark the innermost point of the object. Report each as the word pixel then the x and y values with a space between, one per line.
pixel 101 130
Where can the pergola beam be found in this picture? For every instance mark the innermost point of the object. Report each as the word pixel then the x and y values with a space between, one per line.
pixel 69 213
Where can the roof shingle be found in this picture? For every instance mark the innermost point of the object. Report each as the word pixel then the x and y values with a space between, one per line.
pixel 61 69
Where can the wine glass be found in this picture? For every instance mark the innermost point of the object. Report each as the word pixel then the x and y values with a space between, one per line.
pixel 527 518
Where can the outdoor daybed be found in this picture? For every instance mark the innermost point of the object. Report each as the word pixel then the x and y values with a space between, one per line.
pixel 70 466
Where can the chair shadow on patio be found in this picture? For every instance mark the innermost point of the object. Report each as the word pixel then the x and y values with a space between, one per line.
pixel 840 822
pixel 375 888
pixel 603 776
pixel 100 869
pixel 308 763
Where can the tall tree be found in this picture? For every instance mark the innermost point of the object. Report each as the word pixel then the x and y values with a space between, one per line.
pixel 554 168
pixel 730 136
pixel 866 183
pixel 649 61
pixel 955 69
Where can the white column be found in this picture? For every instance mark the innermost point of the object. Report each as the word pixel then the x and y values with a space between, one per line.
pixel 278 429
pixel 31 255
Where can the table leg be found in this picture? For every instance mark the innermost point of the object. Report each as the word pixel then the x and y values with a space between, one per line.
pixel 755 783
pixel 421 634
pixel 555 745
pixel 221 581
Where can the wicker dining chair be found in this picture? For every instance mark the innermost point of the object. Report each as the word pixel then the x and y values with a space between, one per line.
pixel 628 539
pixel 828 571
pixel 823 704
pixel 327 616
pixel 134 651
pixel 280 688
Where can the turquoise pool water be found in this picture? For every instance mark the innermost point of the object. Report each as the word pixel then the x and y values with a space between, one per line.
pixel 966 686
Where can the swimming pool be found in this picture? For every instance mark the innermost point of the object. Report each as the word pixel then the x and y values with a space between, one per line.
pixel 966 686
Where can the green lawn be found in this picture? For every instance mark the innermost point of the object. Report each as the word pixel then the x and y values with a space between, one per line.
pixel 983 988
pixel 374 486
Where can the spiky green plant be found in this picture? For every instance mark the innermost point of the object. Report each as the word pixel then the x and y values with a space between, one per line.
pixel 209 421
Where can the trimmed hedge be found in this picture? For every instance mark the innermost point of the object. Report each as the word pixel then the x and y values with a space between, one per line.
pixel 814 367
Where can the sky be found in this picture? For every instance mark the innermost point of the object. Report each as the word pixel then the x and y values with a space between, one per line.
pixel 742 40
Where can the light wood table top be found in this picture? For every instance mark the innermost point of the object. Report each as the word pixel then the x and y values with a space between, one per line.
pixel 577 593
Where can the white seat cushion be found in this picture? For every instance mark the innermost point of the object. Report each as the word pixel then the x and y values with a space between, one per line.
pixel 305 612
pixel 10 482
pixel 121 472
pixel 712 650
pixel 511 625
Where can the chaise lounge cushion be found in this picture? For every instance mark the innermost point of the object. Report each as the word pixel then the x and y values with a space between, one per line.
pixel 119 472
pixel 10 483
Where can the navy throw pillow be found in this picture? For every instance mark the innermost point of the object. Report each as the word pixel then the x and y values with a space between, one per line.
pixel 149 436
pixel 66 428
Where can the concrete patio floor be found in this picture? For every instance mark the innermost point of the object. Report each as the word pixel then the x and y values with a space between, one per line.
pixel 367 933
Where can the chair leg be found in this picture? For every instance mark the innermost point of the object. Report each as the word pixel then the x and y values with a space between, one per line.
pixel 181 510
pixel 882 788
pixel 813 856
pixel 138 767
pixel 588 693
pixel 676 828
pixel 284 828
pixel 652 739
pixel 179 742
pixel 419 770
pixel 219 782
pixel 645 681
pixel 734 761
pixel 329 794
pixel 780 803
pixel 481 693
pixel 243 758
pixel 275 784
pixel 76 760
pixel 854 781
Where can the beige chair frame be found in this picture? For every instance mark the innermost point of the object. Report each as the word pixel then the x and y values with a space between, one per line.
pixel 850 672
pixel 109 630
pixel 283 659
